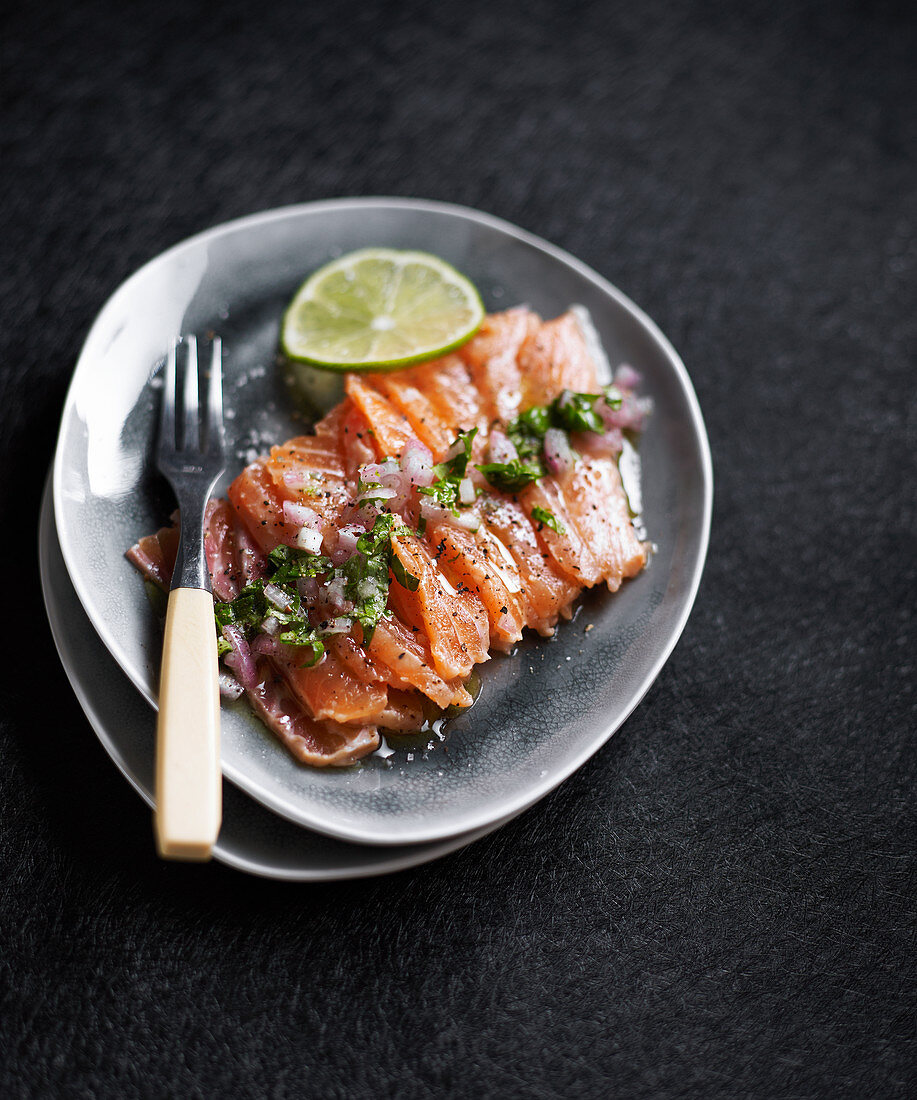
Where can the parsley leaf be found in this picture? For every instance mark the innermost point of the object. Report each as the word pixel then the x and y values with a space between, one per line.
pixel 292 564
pixel 543 516
pixel 575 412
pixel 527 431
pixel 512 476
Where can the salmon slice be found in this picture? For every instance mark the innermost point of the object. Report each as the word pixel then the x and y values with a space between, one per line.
pixel 317 455
pixel 554 358
pixel 427 424
pixel 597 504
pixel 406 657
pixel 570 550
pixel 320 744
pixel 154 555
pixel 258 501
pixel 354 658
pixel 356 440
pixel 454 622
pixel 448 386
pixel 475 564
pixel 404 712
pixel 220 549
pixel 492 356
pixel 545 589
pixel 391 429
pixel 329 690
pixel 259 505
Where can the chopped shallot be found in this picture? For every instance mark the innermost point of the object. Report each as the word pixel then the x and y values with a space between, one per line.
pixel 558 453
pixel 230 688
pixel 309 540
pixel 501 447
pixel 300 515
pixel 277 597
pixel 240 659
pixel 417 463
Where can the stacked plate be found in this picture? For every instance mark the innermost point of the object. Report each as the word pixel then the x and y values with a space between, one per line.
pixel 541 712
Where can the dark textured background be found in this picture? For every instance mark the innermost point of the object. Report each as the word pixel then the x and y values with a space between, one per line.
pixel 722 902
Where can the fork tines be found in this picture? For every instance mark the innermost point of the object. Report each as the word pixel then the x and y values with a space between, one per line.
pixel 199 434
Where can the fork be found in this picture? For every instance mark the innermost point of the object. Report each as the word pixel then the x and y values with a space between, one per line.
pixel 188 777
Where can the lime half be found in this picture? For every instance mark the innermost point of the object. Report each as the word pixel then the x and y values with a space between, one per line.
pixel 380 309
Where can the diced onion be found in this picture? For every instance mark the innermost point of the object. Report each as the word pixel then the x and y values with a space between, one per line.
pixel 627 378
pixel 558 454
pixel 341 625
pixel 501 448
pixel 417 463
pixel 309 540
pixel 468 520
pixel 348 536
pixel 271 625
pixel 466 491
pixel 457 448
pixel 276 596
pixel 334 593
pixel 230 688
pixel 300 515
pixel 266 646
pixel 240 659
pixel 300 478
pixel 432 512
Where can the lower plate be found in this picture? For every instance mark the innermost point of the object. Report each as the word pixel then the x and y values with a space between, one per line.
pixel 251 839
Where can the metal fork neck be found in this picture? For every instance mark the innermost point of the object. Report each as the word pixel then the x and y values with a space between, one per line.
pixel 191 562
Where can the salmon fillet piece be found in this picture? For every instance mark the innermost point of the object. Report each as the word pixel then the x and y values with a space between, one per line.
pixel 475 564
pixel 320 744
pixel 391 429
pixel 555 357
pixel 448 386
pixel 331 690
pixel 428 426
pixel 493 359
pixel 405 654
pixel 545 589
pixel 454 621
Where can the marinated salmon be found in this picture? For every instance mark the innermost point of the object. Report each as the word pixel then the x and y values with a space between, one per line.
pixel 363 570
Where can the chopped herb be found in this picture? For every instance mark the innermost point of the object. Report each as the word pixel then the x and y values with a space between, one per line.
pixel 448 475
pixel 292 564
pixel 542 515
pixel 402 576
pixel 512 476
pixel 575 412
pixel 527 431
pixel 251 607
pixel 366 574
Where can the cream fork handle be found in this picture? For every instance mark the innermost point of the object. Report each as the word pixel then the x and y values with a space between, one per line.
pixel 189 791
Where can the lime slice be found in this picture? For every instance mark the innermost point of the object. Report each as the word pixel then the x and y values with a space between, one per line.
pixel 380 309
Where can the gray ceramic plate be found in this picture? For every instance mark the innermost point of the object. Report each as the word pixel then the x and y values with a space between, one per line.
pixel 542 712
pixel 251 838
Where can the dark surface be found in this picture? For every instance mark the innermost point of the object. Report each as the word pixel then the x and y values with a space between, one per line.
pixel 722 902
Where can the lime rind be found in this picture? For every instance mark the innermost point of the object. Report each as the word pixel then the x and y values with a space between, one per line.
pixel 380 309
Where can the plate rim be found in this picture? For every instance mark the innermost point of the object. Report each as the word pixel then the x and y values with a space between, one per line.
pixel 594 743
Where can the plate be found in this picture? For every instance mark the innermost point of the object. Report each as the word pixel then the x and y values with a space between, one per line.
pixel 542 712
pixel 251 839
